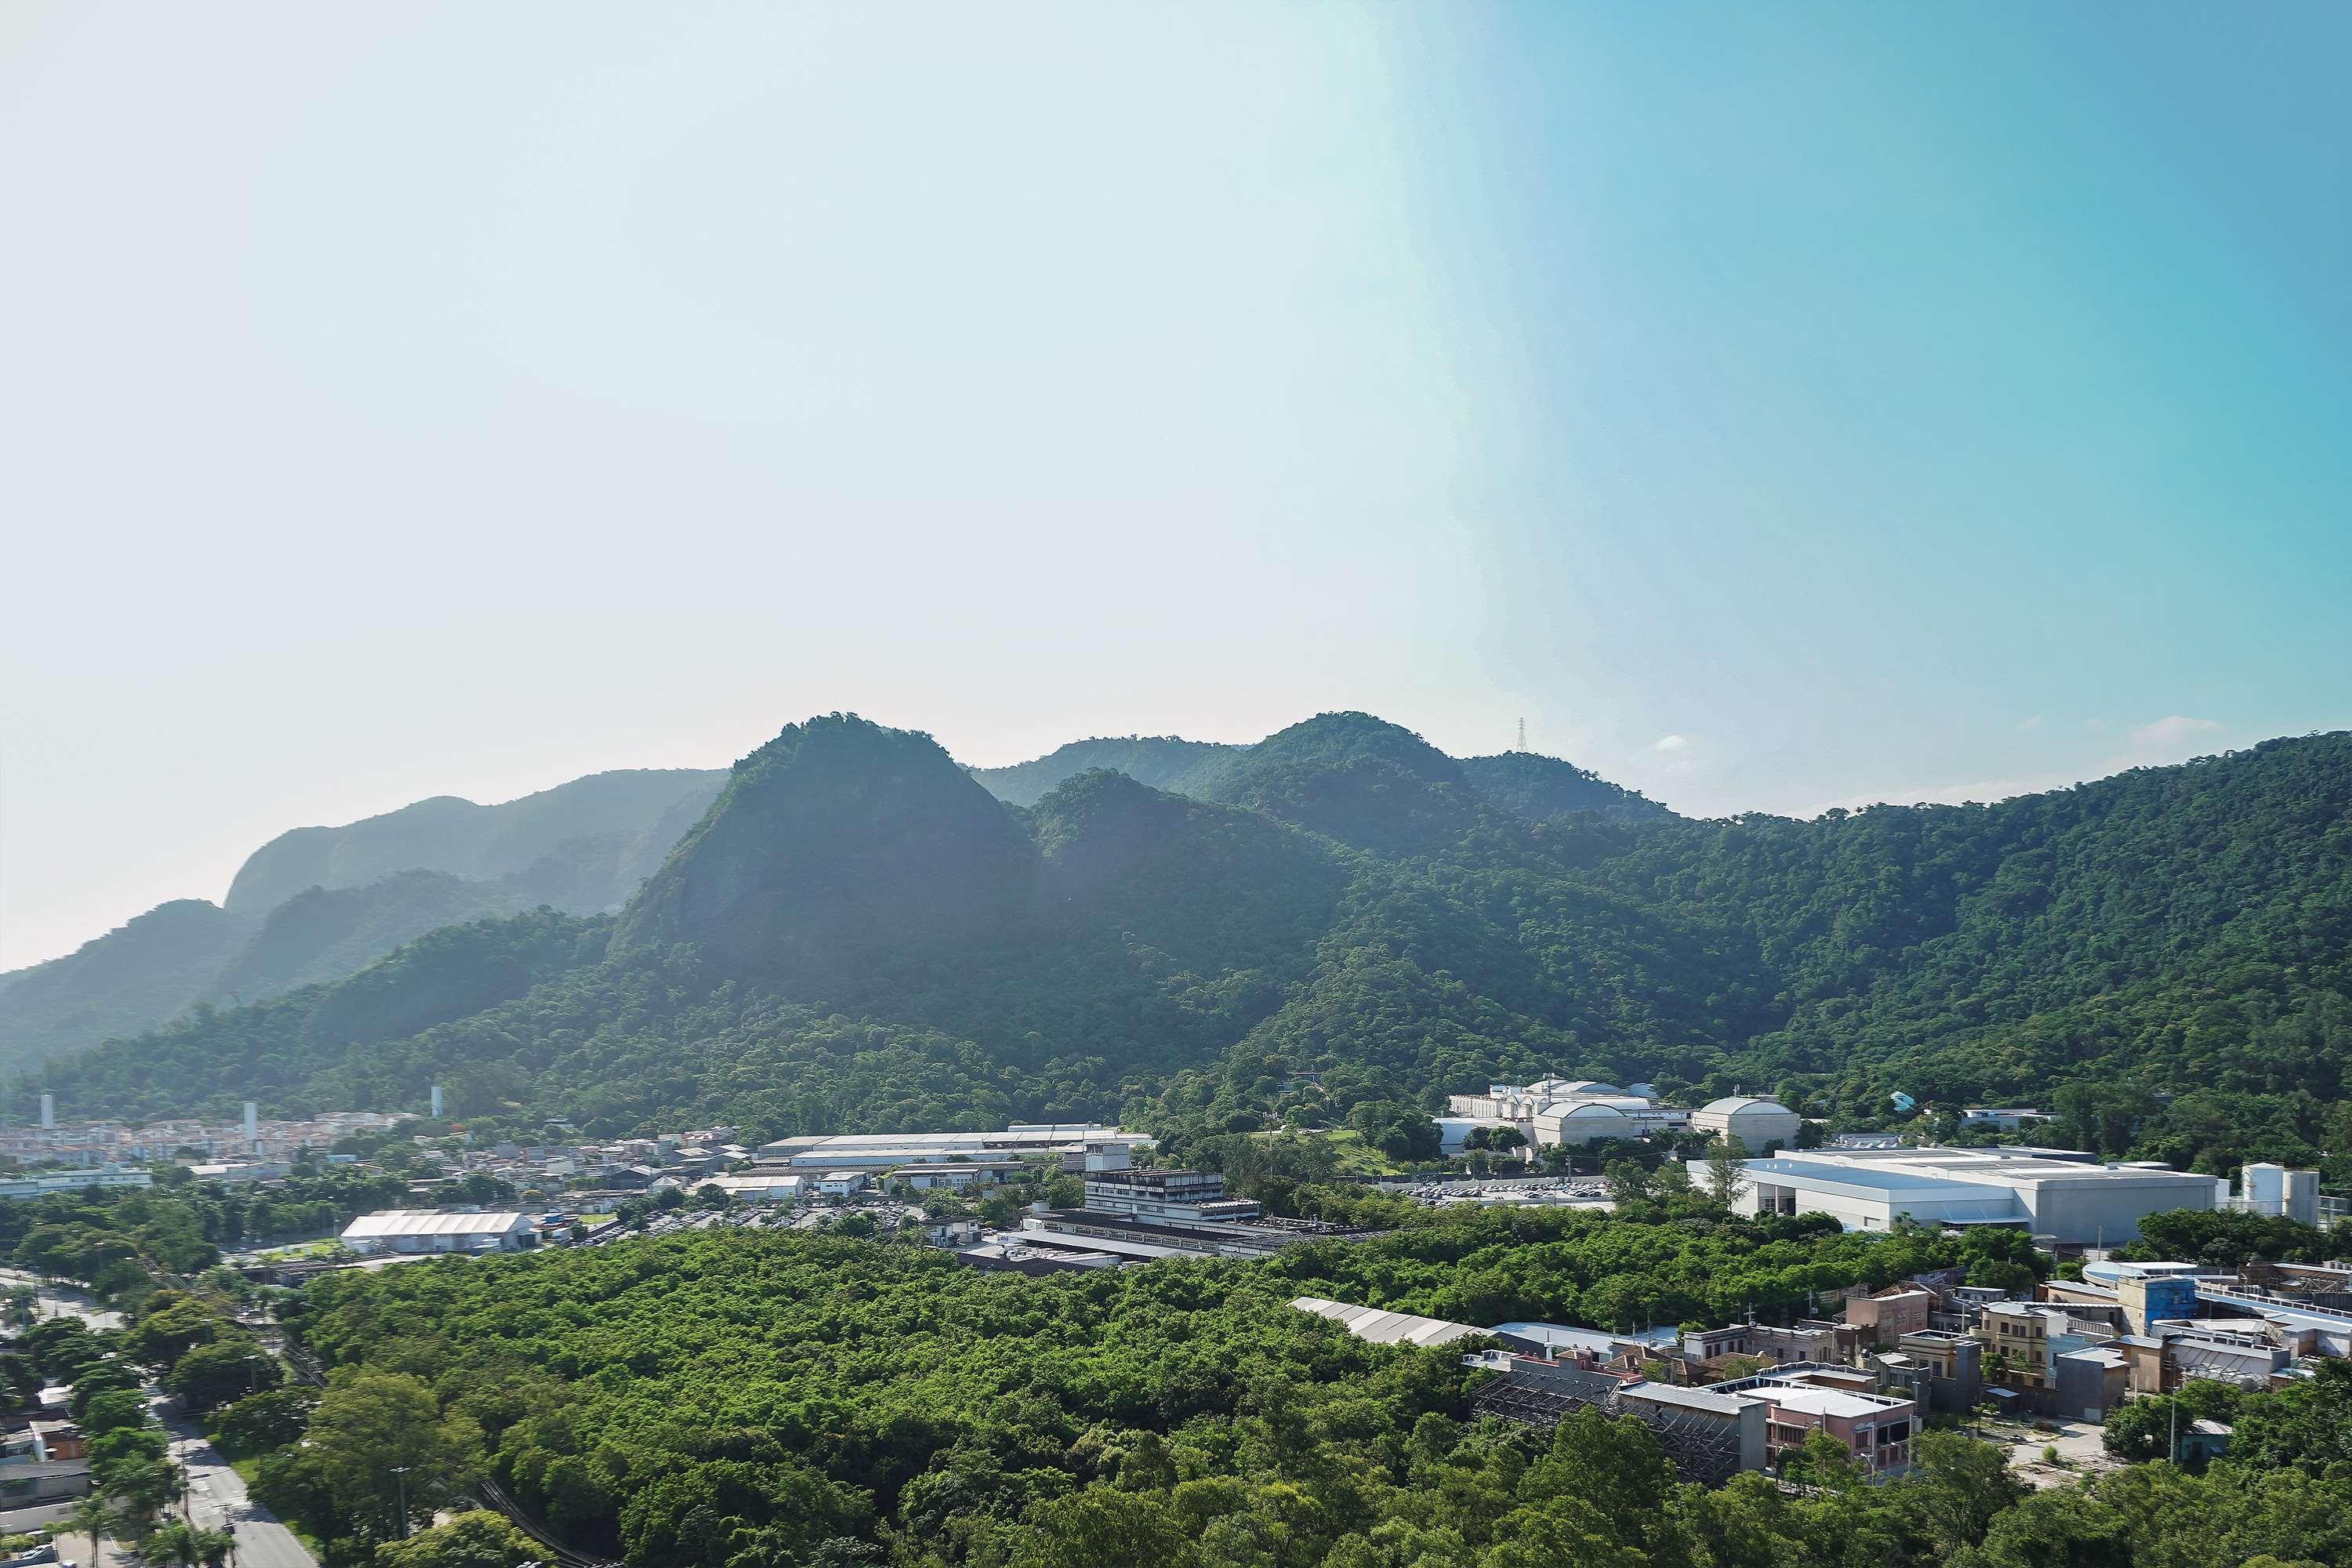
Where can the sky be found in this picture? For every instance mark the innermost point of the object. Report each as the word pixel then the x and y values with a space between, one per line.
pixel 1776 407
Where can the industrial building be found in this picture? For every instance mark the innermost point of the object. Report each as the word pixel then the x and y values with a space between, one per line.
pixel 1143 1215
pixel 2278 1193
pixel 1760 1124
pixel 1385 1328
pixel 2068 1199
pixel 757 1187
pixel 1573 1112
pixel 1023 1140
pixel 424 1230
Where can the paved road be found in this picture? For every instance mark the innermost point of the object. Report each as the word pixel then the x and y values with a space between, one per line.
pixel 59 1301
pixel 216 1492
pixel 216 1496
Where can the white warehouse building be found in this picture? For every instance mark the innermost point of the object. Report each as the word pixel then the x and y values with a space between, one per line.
pixel 2069 1200
pixel 1759 1123
pixel 426 1230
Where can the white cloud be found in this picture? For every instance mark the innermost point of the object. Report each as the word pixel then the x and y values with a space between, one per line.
pixel 2171 739
pixel 2027 726
pixel 1671 744
pixel 2155 744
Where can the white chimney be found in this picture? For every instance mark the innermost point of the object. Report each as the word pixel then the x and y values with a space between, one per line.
pixel 437 1102
pixel 252 1122
pixel 49 1112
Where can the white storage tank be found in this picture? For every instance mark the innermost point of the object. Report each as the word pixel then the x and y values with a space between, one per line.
pixel 1757 1122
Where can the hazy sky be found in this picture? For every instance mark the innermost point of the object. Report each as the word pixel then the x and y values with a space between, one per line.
pixel 1776 405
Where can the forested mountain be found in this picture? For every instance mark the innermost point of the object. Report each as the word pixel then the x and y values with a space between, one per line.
pixel 856 935
pixel 319 903
pixel 1163 762
pixel 1544 788
pixel 145 971
pixel 607 831
pixel 1533 786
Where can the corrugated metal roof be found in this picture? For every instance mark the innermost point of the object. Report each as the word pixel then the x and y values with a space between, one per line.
pixel 428 1222
pixel 1385 1328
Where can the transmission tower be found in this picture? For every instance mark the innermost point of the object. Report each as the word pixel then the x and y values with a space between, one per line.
pixel 1523 734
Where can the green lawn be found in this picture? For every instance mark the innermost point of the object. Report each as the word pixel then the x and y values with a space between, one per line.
pixel 1356 1157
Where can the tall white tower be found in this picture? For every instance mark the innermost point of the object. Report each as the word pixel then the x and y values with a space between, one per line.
pixel 437 1102
pixel 49 1112
pixel 252 1122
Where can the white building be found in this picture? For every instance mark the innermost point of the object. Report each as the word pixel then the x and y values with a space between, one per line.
pixel 1559 1111
pixel 2275 1191
pixel 45 1182
pixel 1385 1328
pixel 1578 1123
pixel 427 1230
pixel 2069 1200
pixel 760 1188
pixel 2001 1118
pixel 1023 1140
pixel 1757 1122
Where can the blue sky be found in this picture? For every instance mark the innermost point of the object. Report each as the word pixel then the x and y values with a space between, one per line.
pixel 1775 406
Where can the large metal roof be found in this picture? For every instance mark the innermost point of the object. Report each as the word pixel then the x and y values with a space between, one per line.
pixel 429 1222
pixel 1385 1328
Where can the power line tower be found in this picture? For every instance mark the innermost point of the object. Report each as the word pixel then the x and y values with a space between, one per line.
pixel 1523 734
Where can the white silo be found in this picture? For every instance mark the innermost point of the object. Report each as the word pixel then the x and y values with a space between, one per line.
pixel 2302 1196
pixel 2262 1188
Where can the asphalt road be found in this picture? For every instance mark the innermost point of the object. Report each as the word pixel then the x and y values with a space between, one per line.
pixel 217 1498
pixel 216 1493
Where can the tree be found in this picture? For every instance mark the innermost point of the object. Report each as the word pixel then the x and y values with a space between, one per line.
pixel 140 1489
pixel 213 1375
pixel 379 1442
pixel 93 1518
pixel 1959 1485
pixel 475 1539
pixel 270 1419
pixel 178 1542
pixel 1727 1181
pixel 1100 1525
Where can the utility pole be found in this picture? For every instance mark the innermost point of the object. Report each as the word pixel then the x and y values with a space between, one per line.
pixel 400 1475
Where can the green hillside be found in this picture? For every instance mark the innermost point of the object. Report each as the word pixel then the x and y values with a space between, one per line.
pixel 1163 762
pixel 318 904
pixel 856 935
pixel 628 819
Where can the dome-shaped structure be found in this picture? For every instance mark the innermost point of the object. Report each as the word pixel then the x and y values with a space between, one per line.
pixel 1581 1121
pixel 1757 1122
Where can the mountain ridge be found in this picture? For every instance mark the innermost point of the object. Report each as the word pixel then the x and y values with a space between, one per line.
pixel 2169 944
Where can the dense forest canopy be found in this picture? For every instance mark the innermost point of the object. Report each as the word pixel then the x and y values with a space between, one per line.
pixel 856 935
pixel 758 1400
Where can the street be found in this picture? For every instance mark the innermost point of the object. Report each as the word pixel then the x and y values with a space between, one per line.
pixel 217 1501
pixel 216 1496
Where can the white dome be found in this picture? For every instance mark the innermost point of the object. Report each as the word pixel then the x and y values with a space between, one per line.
pixel 1589 1112
pixel 1736 1102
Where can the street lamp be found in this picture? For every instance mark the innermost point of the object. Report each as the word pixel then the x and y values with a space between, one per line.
pixel 400 1474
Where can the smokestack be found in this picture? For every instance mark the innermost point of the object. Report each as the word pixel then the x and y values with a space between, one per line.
pixel 437 1102
pixel 49 1112
pixel 252 1122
